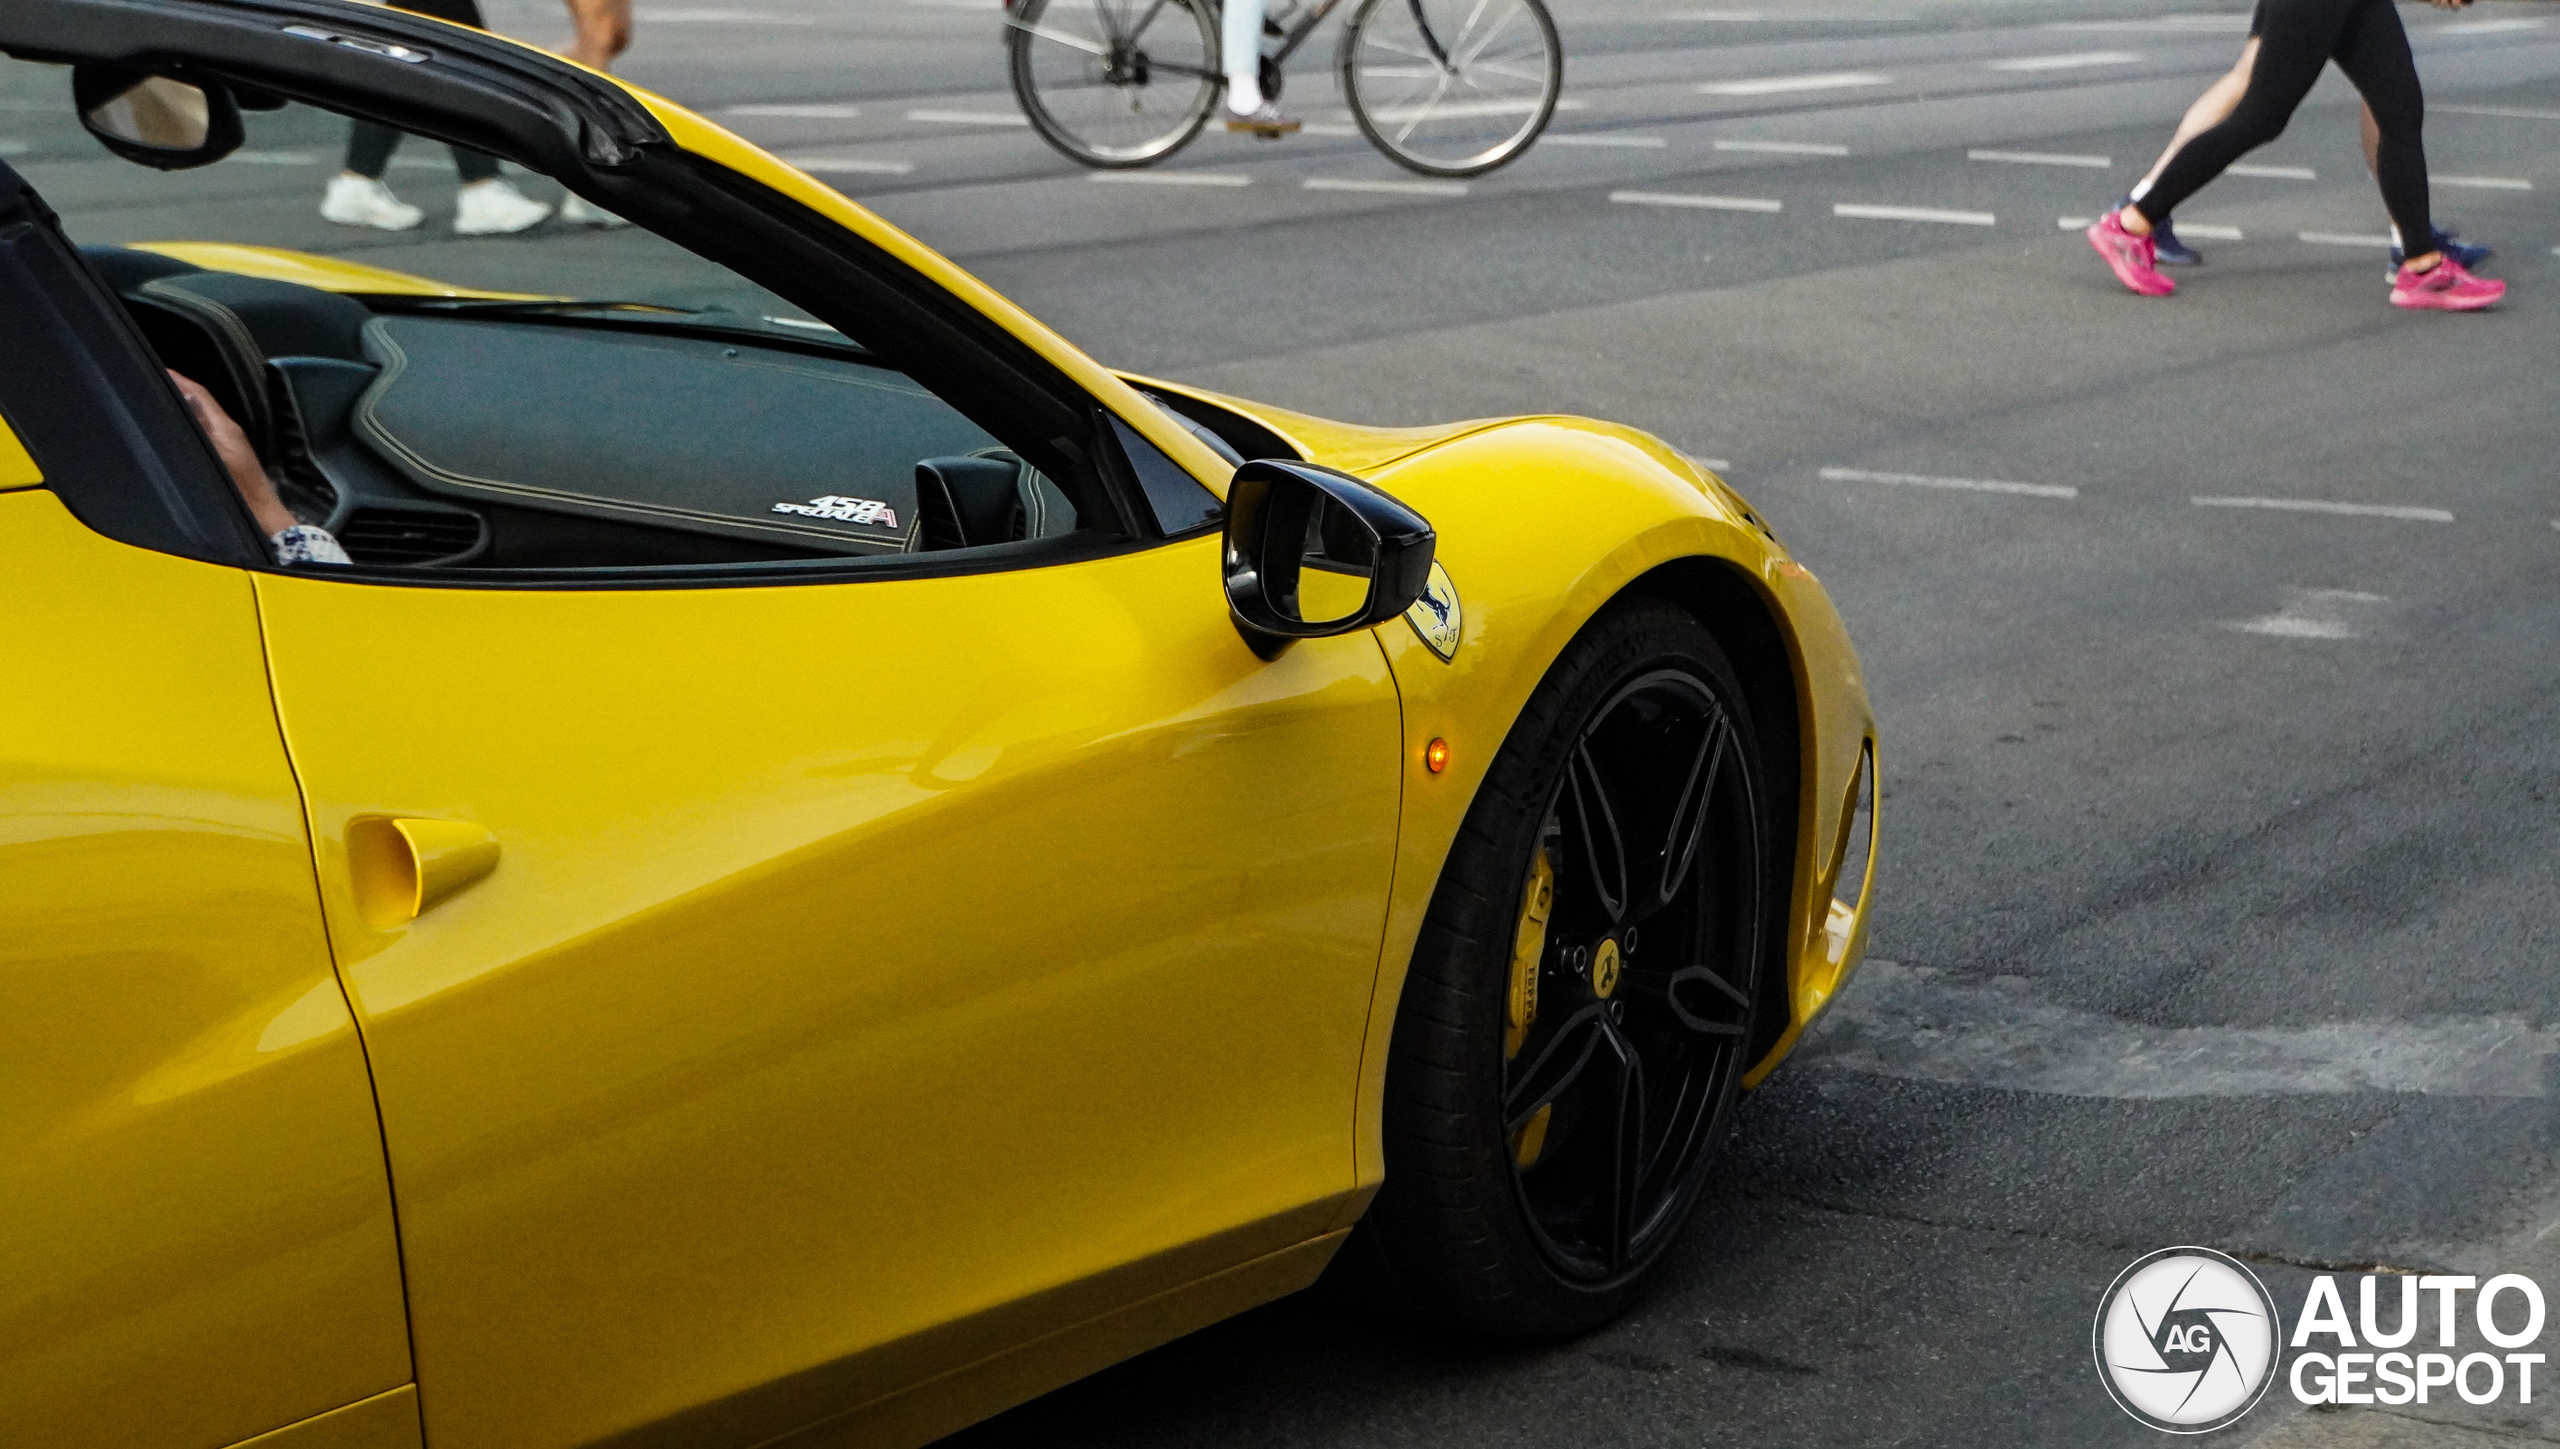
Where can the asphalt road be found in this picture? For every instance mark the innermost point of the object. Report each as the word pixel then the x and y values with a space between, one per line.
pixel 2217 887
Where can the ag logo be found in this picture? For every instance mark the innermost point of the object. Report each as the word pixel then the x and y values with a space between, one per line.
pixel 1435 615
pixel 2186 1340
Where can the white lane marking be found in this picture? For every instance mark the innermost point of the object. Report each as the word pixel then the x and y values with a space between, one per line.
pixel 1967 485
pixel 2041 158
pixel 1467 110
pixel 1392 188
pixel 1171 178
pixel 2313 614
pixel 2479 27
pixel 854 165
pixel 2520 113
pixel 710 15
pixel 2485 183
pixel 16 148
pixel 274 158
pixel 2064 62
pixel 1920 1024
pixel 1736 16
pixel 2407 512
pixel 1720 465
pixel 1914 213
pixel 1683 198
pixel 2205 229
pixel 1786 148
pixel 2274 173
pixel 1592 139
pixel 970 118
pixel 1328 128
pixel 2344 239
pixel 2165 22
pixel 1779 84
pixel 814 111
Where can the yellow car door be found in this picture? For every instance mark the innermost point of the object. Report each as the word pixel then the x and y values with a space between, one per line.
pixel 869 977
pixel 196 1241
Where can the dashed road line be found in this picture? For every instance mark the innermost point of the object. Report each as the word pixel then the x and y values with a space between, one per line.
pixel 16 148
pixel 2518 113
pixel 2485 183
pixel 1171 178
pixel 1914 213
pixel 1586 138
pixel 1786 148
pixel 275 158
pixel 1982 1032
pixel 2343 239
pixel 2478 27
pixel 970 118
pixel 2313 614
pixel 1737 16
pixel 2042 158
pixel 2407 513
pixel 709 15
pixel 1710 203
pixel 1391 188
pixel 1328 128
pixel 851 165
pixel 2064 62
pixel 809 111
pixel 2273 173
pixel 2165 22
pixel 1780 84
pixel 1966 485
pixel 2205 229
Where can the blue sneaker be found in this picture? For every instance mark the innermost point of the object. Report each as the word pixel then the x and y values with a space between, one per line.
pixel 2461 251
pixel 2166 249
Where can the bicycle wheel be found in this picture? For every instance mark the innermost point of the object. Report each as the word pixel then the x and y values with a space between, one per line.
pixel 1451 87
pixel 1114 83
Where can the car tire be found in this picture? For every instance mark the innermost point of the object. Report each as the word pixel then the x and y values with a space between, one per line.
pixel 1477 1227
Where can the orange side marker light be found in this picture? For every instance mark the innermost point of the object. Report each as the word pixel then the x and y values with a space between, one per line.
pixel 1436 755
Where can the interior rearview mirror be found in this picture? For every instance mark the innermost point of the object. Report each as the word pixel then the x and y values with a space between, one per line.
pixel 1312 552
pixel 160 121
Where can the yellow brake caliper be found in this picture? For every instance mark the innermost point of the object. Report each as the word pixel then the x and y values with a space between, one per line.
pixel 1527 949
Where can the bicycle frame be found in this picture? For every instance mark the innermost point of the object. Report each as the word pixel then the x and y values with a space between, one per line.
pixel 1290 39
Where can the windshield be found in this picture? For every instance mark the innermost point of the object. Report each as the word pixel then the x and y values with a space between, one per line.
pixel 310 186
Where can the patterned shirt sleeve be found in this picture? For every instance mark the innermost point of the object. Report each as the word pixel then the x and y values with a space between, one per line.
pixel 306 543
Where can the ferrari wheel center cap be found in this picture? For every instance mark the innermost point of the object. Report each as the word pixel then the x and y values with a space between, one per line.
pixel 1604 968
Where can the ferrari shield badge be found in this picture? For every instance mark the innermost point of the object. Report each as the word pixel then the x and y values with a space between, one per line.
pixel 844 510
pixel 1435 615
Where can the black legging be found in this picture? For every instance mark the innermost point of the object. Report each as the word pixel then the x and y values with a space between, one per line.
pixel 370 144
pixel 2295 39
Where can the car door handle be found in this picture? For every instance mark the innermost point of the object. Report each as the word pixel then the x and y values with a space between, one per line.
pixel 400 866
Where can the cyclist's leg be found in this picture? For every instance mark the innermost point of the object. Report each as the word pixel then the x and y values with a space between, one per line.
pixel 1240 50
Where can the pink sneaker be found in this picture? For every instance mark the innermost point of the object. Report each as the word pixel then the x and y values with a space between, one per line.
pixel 2445 288
pixel 2131 256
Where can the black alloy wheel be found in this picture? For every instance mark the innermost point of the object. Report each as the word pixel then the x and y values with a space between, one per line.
pixel 1580 1010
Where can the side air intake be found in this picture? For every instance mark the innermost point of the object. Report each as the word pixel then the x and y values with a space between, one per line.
pixel 401 536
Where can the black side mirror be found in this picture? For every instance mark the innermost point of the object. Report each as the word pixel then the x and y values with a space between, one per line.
pixel 1312 552
pixel 164 122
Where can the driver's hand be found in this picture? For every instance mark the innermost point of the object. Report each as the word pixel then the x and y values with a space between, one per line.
pixel 238 459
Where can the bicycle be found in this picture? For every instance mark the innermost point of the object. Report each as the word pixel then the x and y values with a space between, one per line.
pixel 1442 87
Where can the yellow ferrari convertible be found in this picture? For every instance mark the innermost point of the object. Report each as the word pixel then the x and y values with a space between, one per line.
pixel 771 854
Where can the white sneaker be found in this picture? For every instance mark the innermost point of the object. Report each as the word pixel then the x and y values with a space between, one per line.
pixel 495 208
pixel 353 200
pixel 576 210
